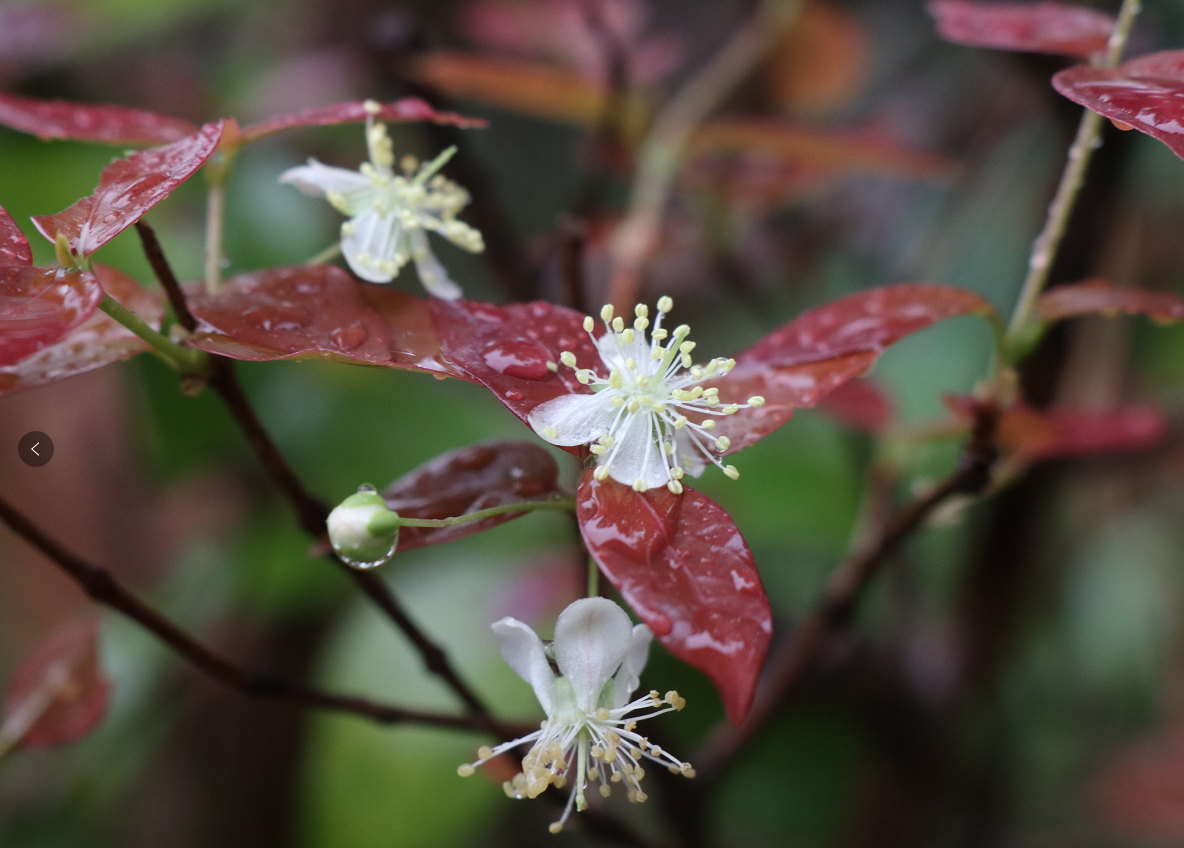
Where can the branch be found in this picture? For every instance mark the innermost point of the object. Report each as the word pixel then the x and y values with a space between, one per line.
pixel 103 588
pixel 794 656
pixel 164 273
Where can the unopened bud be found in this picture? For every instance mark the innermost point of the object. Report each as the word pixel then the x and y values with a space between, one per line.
pixel 363 532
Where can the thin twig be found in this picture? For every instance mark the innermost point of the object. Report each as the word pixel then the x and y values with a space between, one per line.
pixel 663 150
pixel 1044 250
pixel 788 663
pixel 164 273
pixel 103 588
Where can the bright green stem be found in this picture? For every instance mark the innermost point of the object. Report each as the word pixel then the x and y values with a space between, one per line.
pixel 185 360
pixel 523 506
pixel 593 578
pixel 1044 251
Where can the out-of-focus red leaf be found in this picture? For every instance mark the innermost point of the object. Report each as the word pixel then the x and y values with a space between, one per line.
pixel 820 63
pixel 58 694
pixel 1063 432
pixel 315 311
pixel 14 247
pixel 1045 27
pixel 859 404
pixel 507 348
pixel 98 342
pixel 1146 94
pixel 680 562
pixel 38 306
pixel 86 122
pixel 1140 789
pixel 128 188
pixel 866 322
pixel 467 480
pixel 35 37
pixel 1101 296
pixel 354 111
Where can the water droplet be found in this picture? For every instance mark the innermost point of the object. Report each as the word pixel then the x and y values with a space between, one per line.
pixel 522 359
pixel 278 318
pixel 366 489
pixel 366 565
pixel 349 338
pixel 512 394
pixel 540 309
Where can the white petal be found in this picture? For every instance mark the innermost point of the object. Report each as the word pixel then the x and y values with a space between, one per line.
pixel 628 678
pixel 523 650
pixel 431 273
pixel 592 637
pixel 318 179
pixel 685 447
pixel 614 352
pixel 639 456
pixel 370 245
pixel 580 419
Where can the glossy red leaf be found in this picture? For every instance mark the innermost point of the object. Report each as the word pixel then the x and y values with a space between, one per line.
pixel 128 188
pixel 467 480
pixel 1146 94
pixel 58 694
pixel 507 348
pixel 407 109
pixel 681 564
pixel 860 405
pixel 315 311
pixel 1045 27
pixel 14 247
pixel 1101 296
pixel 86 122
pixel 866 322
pixel 97 342
pixel 38 306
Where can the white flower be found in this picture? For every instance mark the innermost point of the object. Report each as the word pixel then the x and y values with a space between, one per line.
pixel 389 214
pixel 588 734
pixel 362 530
pixel 638 421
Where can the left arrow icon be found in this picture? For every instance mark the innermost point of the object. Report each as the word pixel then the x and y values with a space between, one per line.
pixel 35 449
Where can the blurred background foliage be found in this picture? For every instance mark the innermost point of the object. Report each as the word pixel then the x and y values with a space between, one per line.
pixel 1000 672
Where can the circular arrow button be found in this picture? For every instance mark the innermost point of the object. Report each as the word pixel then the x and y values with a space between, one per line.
pixel 35 449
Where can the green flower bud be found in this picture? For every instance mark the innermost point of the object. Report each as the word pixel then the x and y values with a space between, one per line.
pixel 363 532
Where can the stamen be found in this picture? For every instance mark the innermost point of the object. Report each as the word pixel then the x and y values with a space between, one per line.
pixel 665 304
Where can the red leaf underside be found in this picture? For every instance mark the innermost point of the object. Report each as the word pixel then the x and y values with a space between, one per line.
pixel 681 564
pixel 1064 432
pixel 1045 27
pixel 1102 297
pixel 1146 94
pixel 860 405
pixel 39 306
pixel 407 109
pixel 61 687
pixel 128 188
pixel 14 247
pixel 467 480
pixel 85 122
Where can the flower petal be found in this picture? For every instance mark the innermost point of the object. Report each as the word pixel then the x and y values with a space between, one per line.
pixel 368 243
pixel 318 179
pixel 580 419
pixel 523 651
pixel 629 676
pixel 639 455
pixel 431 273
pixel 592 637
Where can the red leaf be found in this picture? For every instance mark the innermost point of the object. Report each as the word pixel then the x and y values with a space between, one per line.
pixel 506 349
pixel 58 693
pixel 83 122
pixel 1062 432
pixel 1094 296
pixel 1146 94
pixel 98 342
pixel 467 480
pixel 14 247
pixel 315 311
pixel 1139 789
pixel 1031 27
pixel 680 562
pixel 859 404
pixel 38 306
pixel 866 322
pixel 407 109
pixel 128 188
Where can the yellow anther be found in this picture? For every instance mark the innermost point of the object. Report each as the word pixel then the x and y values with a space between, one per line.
pixel 639 485
pixel 709 424
pixel 641 311
pixel 618 324
pixel 672 769
pixel 638 773
pixel 640 797
pixel 757 401
pixel 597 752
pixel 616 777
pixel 723 442
pixel 643 380
pixel 606 440
pixel 675 487
pixel 589 324
pixel 628 336
pixel 712 392
pixel 372 107
pixel 711 401
pixel 605 791
pixel 568 358
pixel 601 473
pixel 659 334
pixel 634 405
pixel 686 347
pixel 675 700
pixel 630 725
pixel 585 377
pixel 657 353
pixel 551 432
pixel 682 331
pixel 617 401
pixel 697 392
pixel 466 770
pixel 560 780
pixel 598 450
pixel 509 789
pixel 731 409
pixel 686 360
pixel 678 472
pixel 680 422
pixel 665 304
pixel 697 373
pixel 732 471
pixel 484 752
pixel 555 827
pixel 409 164
pixel 640 324
pixel 631 364
pixel 686 770
pixel 610 756
pixel 615 380
pixel 552 366
pixel 606 313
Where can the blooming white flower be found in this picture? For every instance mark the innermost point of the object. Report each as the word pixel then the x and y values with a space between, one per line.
pixel 600 655
pixel 638 421
pixel 390 214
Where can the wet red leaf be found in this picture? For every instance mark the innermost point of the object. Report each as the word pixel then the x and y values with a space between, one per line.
pixel 1140 789
pixel 866 322
pixel 860 405
pixel 58 694
pixel 407 109
pixel 315 311
pixel 1031 27
pixel 14 247
pixel 681 564
pixel 467 480
pixel 38 306
pixel 1101 296
pixel 97 342
pixel 85 122
pixel 819 65
pixel 1146 94
pixel 128 188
